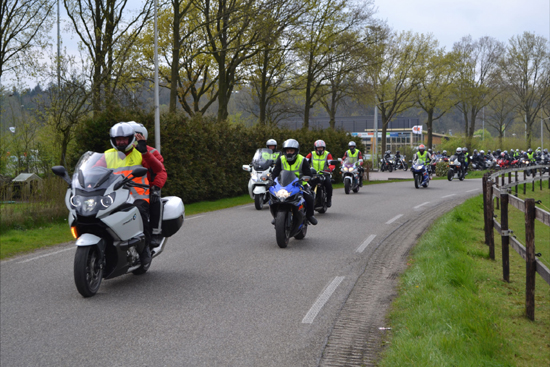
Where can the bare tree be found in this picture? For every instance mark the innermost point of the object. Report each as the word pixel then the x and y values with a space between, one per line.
pixel 501 113
pixel 477 76
pixel 107 34
pixel 526 73
pixel 23 25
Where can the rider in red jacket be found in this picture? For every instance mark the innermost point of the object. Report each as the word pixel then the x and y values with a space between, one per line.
pixel 156 182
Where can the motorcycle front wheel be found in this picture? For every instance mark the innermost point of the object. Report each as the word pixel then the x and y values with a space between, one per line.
pixel 417 181
pixel 450 175
pixel 258 202
pixel 390 168
pixel 323 198
pixel 88 271
pixel 405 167
pixel 346 186
pixel 282 229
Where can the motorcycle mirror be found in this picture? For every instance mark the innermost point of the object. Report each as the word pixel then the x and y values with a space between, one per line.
pixel 339 159
pixel 139 172
pixel 306 178
pixel 246 167
pixel 334 162
pixel 61 172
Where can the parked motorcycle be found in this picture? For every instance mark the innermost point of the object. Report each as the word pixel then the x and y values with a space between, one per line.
pixel 288 207
pixel 107 226
pixel 350 175
pixel 258 184
pixel 455 169
pixel 420 174
pixel 401 163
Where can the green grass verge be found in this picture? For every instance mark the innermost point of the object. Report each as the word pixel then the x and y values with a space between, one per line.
pixel 14 241
pixel 453 308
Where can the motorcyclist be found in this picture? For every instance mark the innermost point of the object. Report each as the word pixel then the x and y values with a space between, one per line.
pixel 130 151
pixel 398 159
pixel 319 159
pixel 272 144
pixel 422 156
pixel 460 156
pixel 291 160
pixel 156 183
pixel 531 155
pixel 356 157
pixel 444 153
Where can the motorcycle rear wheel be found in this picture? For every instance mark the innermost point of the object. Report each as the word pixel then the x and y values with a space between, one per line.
pixel 346 186
pixel 282 229
pixel 88 270
pixel 258 202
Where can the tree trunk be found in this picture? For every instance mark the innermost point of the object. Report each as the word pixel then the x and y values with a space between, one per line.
pixel 472 123
pixel 332 110
pixel 309 81
pixel 429 124
pixel 385 123
pixel 175 58
pixel 263 89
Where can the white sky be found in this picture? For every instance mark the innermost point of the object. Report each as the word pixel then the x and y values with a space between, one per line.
pixel 450 20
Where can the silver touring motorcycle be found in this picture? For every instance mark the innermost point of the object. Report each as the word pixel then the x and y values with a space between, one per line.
pixel 107 226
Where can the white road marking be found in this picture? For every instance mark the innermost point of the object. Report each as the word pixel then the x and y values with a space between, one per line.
pixel 418 206
pixel 394 219
pixel 195 217
pixel 448 196
pixel 366 243
pixel 246 206
pixel 45 255
pixel 472 190
pixel 323 298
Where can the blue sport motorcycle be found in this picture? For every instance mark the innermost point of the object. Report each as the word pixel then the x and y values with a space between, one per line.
pixel 420 174
pixel 288 207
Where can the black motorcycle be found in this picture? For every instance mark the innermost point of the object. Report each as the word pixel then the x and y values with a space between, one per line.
pixel 318 184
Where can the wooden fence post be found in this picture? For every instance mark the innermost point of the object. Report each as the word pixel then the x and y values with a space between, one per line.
pixel 533 189
pixel 516 183
pixel 490 229
pixel 509 177
pixel 524 185
pixel 530 262
pixel 505 237
pixel 486 226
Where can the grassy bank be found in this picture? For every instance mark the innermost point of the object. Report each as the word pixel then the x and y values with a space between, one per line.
pixel 453 307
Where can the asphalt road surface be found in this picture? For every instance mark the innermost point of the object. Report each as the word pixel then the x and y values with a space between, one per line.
pixel 224 294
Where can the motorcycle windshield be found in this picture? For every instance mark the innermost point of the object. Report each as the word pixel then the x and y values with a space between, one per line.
pixel 348 162
pixel 286 178
pixel 263 159
pixel 91 172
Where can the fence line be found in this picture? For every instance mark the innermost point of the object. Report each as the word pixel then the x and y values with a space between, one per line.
pixel 492 190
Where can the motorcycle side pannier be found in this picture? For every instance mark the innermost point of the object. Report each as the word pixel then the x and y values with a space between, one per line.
pixel 173 214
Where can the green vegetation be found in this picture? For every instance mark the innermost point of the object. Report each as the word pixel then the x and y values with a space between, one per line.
pixel 15 242
pixel 454 309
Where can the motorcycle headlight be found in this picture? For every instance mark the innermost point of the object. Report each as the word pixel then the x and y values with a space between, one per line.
pixel 107 201
pixel 76 201
pixel 88 205
pixel 282 194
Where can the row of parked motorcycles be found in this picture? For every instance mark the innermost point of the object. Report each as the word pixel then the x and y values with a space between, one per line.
pixel 284 195
pixel 393 163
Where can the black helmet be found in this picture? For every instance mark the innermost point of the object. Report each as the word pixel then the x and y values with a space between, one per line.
pixel 397 152
pixel 291 143
pixel 123 130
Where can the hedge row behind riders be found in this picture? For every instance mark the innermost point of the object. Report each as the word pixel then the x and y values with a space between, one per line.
pixel 130 151
pixel 319 159
pixel 355 156
pixel 291 160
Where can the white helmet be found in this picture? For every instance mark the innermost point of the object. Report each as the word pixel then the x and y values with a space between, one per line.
pixel 139 128
pixel 271 142
pixel 125 130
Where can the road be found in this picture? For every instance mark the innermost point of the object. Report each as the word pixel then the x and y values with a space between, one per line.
pixel 224 294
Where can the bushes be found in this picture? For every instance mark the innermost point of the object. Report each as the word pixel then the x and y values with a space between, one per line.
pixel 204 157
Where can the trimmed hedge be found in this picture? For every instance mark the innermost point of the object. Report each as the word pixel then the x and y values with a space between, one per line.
pixel 203 157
